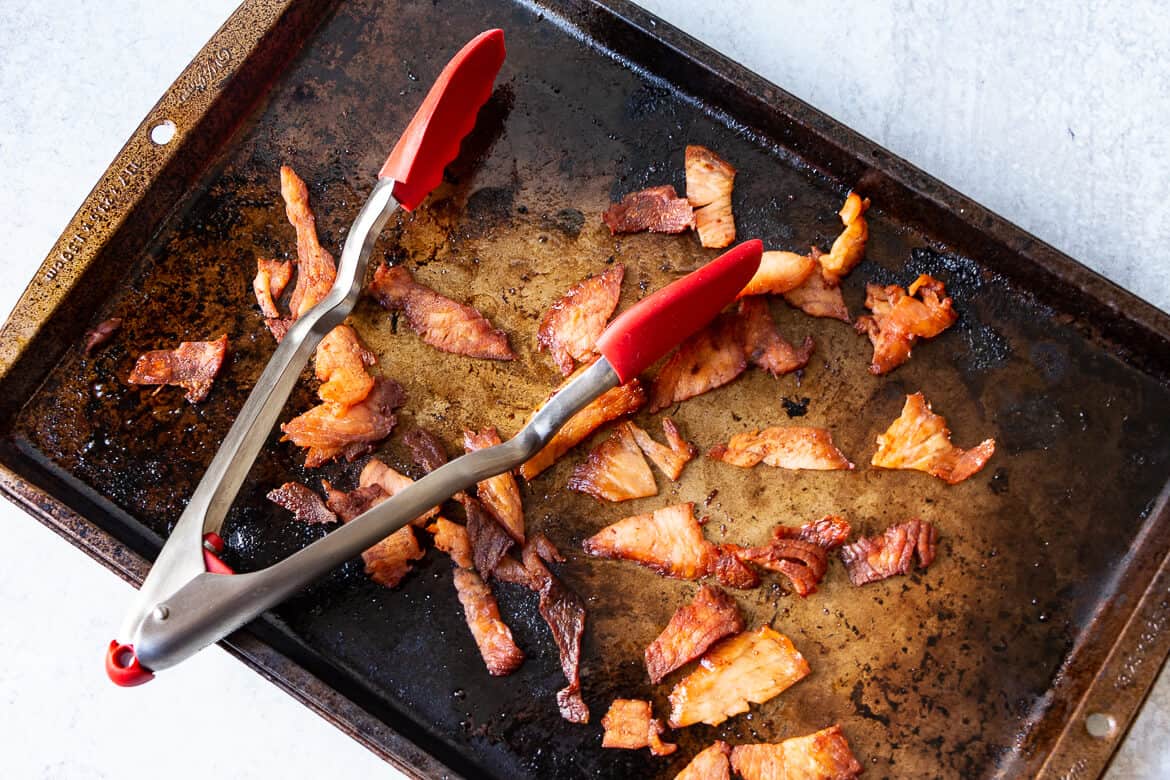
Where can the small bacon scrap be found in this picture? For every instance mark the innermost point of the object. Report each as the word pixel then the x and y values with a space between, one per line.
pixel 192 366
pixel 668 540
pixel 426 449
pixel 790 447
pixel 328 432
pixel 670 460
pixel 610 405
pixel 441 322
pixel 388 561
pixel 899 319
pixel 709 182
pixel 816 297
pixel 489 541
pixel 564 612
pixel 749 668
pixel 763 345
pixel 492 635
pixel 830 532
pixel 731 571
pixel 499 494
pixel 375 472
pixel 920 440
pixel 303 502
pixel 630 724
pixel 849 247
pixel 101 334
pixel 710 764
pixel 694 627
pixel 803 563
pixel 657 209
pixel 710 358
pixel 824 755
pixel 873 558
pixel 615 470
pixel 272 276
pixel 315 268
pixel 780 272
pixel 451 538
pixel 341 362
pixel 349 505
pixel 572 325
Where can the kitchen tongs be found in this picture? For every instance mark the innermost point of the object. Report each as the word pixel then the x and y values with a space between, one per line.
pixel 190 599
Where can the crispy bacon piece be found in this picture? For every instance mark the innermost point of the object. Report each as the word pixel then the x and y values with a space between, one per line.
pixel 830 532
pixel 441 322
pixel 780 272
pixel 341 362
pixel 303 502
pixel 731 571
pixel 712 763
pixel 492 635
pixel 451 538
pixel 426 449
pixel 789 447
pixel 920 440
pixel 824 755
pixel 873 558
pixel 192 366
pixel 899 319
pixel 670 460
pixel 349 505
pixel 668 540
pixel 328 432
pixel 272 276
pixel 615 470
pixel 489 541
pixel 315 268
pixel 499 494
pixel 630 724
pixel 564 612
pixel 803 563
pixel 388 561
pixel 711 358
pixel 849 247
pixel 657 209
pixel 694 627
pixel 376 474
pixel 572 325
pixel 101 333
pixel 816 297
pixel 763 345
pixel 710 179
pixel 610 405
pixel 749 668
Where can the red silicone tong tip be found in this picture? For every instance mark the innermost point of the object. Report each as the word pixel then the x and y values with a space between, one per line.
pixel 123 668
pixel 658 323
pixel 211 560
pixel 432 138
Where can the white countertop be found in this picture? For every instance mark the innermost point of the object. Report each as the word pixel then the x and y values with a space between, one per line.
pixel 1054 116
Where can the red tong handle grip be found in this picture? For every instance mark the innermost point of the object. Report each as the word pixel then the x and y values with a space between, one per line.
pixel 433 136
pixel 658 323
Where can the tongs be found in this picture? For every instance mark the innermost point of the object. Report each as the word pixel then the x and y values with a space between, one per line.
pixel 190 599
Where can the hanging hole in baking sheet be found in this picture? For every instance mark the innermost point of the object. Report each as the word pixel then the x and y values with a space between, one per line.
pixel 163 132
pixel 1100 725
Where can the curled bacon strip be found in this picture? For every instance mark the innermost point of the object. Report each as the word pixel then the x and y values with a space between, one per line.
pixel 873 558
pixel 824 755
pixel 711 358
pixel 499 494
pixel 731 570
pixel 315 268
pixel 692 629
pixel 763 345
pixel 272 276
pixel 492 636
pixel 101 333
pixel 849 247
pixel 790 447
pixel 780 272
pixel 610 405
pixel 710 179
pixel 489 541
pixel 817 297
pixel 668 540
pixel 328 432
pixel 630 724
pixel 303 502
pixel 615 470
pixel 341 362
pixel 669 459
pixel 712 763
pixel 920 440
pixel 572 325
pixel 803 563
pixel 192 366
pixel 830 532
pixel 441 322
pixel 900 319
pixel 657 209
pixel 452 539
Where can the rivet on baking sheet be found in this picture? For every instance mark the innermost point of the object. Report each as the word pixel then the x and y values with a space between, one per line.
pixel 163 132
pixel 161 612
pixel 1100 725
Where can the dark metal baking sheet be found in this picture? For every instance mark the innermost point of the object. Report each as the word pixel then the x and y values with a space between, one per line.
pixel 1049 597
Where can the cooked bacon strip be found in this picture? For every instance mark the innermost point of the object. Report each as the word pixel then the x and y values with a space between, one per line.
pixel 615 470
pixel 657 209
pixel 816 297
pixel 101 333
pixel 349 505
pixel 489 541
pixel 492 635
pixel 804 563
pixel 731 571
pixel 315 268
pixel 669 459
pixel 630 724
pixel 610 405
pixel 572 325
pixel 692 629
pixel 451 538
pixel 749 668
pixel 780 272
pixel 564 612
pixel 192 366
pixel 426 449
pixel 710 764
pixel 763 345
pixel 873 558
pixel 709 182
pixel 303 502
pixel 499 494
pixel 388 561
pixel 272 276
pixel 824 755
pixel 849 247
pixel 790 447
pixel 668 540
pixel 711 358
pixel 920 440
pixel 341 362
pixel 328 432
pixel 829 532
pixel 899 319
pixel 439 321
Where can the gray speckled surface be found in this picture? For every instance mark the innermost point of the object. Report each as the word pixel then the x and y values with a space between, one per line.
pixel 1052 114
